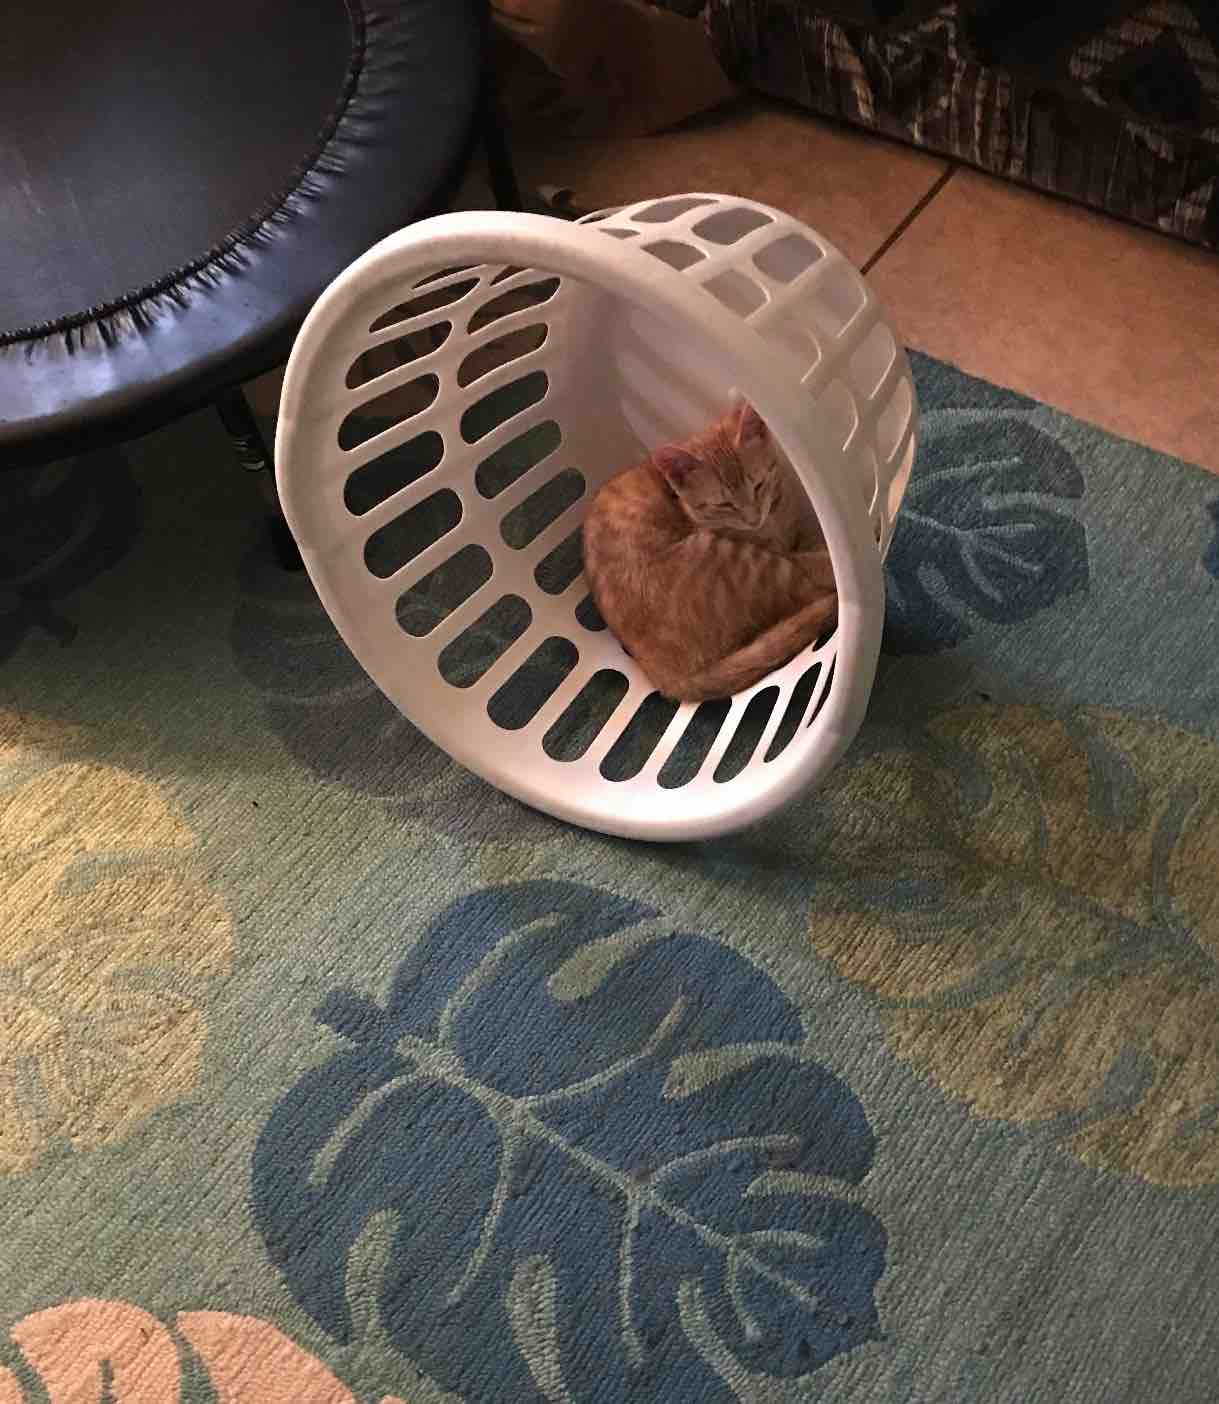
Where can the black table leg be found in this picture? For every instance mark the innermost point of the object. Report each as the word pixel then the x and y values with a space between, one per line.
pixel 255 457
pixel 500 170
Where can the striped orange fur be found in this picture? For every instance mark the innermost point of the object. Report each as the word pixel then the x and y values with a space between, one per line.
pixel 702 561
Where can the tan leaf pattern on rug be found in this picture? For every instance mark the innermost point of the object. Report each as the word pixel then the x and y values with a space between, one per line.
pixel 1034 904
pixel 109 937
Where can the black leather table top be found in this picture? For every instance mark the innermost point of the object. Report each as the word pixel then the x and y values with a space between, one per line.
pixel 178 182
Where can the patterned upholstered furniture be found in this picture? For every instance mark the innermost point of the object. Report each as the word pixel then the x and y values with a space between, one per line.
pixel 1113 103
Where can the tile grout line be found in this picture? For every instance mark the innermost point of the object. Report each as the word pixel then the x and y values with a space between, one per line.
pixel 907 220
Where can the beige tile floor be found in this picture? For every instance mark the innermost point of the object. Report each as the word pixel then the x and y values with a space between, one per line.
pixel 1117 325
pixel 854 189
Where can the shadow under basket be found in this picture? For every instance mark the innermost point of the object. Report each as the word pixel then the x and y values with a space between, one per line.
pixel 457 396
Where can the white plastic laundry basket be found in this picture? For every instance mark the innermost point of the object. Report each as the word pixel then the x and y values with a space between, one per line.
pixel 528 359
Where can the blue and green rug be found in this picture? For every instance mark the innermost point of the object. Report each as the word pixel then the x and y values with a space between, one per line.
pixel 328 1074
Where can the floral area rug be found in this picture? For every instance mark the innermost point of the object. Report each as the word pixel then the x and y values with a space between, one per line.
pixel 329 1074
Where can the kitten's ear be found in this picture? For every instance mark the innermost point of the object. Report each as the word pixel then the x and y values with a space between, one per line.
pixel 750 428
pixel 675 464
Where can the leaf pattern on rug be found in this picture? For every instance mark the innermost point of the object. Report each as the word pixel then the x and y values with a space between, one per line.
pixel 60 526
pixel 612 1166
pixel 1033 903
pixel 337 722
pixel 987 529
pixel 107 1352
pixel 108 937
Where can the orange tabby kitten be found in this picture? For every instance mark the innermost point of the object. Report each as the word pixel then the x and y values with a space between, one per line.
pixel 693 560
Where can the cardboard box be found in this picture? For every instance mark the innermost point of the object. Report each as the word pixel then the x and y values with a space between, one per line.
pixel 603 67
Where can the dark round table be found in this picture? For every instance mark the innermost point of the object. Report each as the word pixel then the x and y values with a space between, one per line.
pixel 179 182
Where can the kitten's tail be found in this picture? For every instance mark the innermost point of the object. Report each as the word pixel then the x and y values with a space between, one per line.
pixel 770 650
